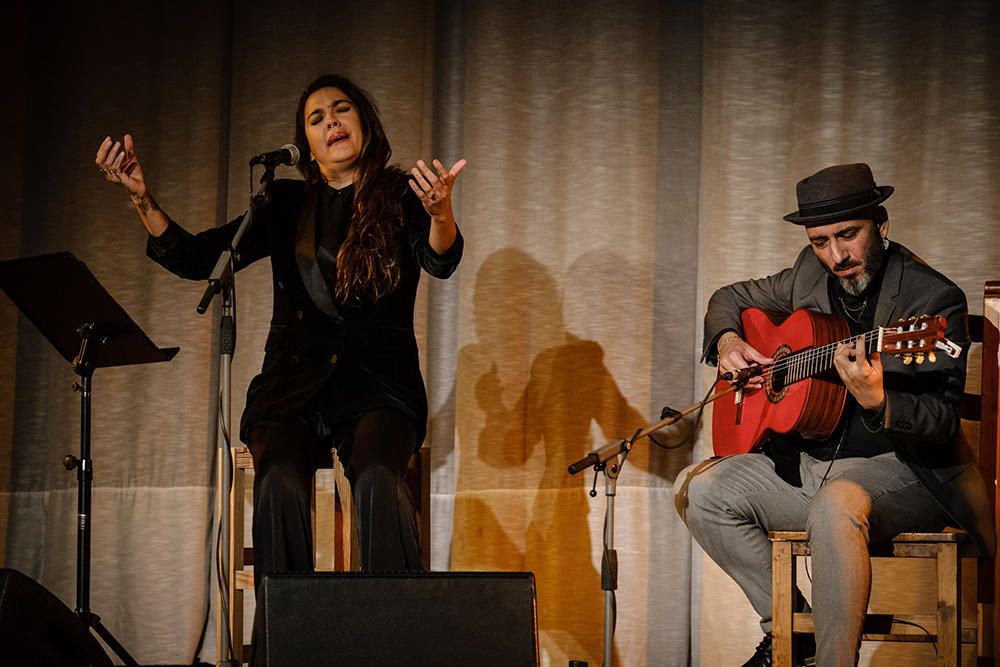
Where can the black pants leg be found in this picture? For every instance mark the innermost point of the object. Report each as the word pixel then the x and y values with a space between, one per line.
pixel 379 449
pixel 286 455
pixel 284 460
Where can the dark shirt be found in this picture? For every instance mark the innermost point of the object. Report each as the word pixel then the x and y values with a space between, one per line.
pixel 333 215
pixel 854 432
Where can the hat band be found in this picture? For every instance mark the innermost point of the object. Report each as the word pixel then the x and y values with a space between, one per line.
pixel 836 205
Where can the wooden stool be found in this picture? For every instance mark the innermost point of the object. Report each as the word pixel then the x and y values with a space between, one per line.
pixel 948 548
pixel 335 518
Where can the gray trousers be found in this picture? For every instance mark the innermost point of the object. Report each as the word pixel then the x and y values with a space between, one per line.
pixel 730 504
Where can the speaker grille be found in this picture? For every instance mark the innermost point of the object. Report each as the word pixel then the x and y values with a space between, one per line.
pixel 436 618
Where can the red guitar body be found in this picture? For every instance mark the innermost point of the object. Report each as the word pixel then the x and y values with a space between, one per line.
pixel 810 407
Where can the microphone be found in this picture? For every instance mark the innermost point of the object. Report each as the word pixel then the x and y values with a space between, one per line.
pixel 590 459
pixel 287 154
pixel 743 374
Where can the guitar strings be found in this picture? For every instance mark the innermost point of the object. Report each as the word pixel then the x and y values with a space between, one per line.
pixel 805 360
pixel 823 353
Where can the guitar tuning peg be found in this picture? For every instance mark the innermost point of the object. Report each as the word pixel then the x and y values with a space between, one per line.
pixel 920 358
pixel 901 320
pixel 931 357
pixel 907 359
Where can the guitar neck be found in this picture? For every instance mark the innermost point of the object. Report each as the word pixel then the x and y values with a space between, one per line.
pixel 814 361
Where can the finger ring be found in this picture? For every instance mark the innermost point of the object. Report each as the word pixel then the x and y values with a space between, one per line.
pixel 103 170
pixel 116 172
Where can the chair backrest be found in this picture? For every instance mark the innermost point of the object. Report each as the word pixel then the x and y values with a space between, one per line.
pixel 989 436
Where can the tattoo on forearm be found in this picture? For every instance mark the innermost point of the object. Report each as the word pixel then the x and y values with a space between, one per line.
pixel 144 203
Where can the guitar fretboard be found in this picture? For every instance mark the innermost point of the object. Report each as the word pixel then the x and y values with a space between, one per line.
pixel 816 360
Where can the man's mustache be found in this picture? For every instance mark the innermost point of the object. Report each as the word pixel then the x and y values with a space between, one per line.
pixel 846 264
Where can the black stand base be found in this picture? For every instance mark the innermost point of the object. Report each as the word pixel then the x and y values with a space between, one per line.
pixel 93 621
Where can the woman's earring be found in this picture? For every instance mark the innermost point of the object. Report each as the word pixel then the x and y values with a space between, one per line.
pixel 885 242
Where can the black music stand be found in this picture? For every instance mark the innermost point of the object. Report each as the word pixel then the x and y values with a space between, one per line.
pixel 85 324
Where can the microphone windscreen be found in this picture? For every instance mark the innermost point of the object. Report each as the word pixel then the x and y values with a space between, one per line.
pixel 294 151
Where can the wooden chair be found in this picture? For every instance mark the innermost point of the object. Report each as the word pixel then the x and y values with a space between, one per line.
pixel 947 548
pixel 336 544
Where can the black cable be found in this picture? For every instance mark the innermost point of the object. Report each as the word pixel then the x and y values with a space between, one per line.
pixel 221 577
pixel 836 452
pixel 917 625
pixel 612 576
pixel 687 439
pixel 628 450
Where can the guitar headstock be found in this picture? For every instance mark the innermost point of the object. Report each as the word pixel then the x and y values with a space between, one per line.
pixel 918 338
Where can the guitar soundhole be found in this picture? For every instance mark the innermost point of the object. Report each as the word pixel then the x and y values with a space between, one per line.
pixel 774 382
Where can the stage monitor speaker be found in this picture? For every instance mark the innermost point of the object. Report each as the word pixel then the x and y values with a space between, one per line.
pixel 36 628
pixel 480 619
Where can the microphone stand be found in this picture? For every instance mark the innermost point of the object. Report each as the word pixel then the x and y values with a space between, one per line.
pixel 222 281
pixel 609 459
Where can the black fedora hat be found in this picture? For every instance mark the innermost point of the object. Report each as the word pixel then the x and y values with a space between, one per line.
pixel 841 192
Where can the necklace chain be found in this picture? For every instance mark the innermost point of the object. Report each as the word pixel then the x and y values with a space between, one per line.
pixel 853 313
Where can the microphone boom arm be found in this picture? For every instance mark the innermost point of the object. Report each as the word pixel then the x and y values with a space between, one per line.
pixel 603 454
pixel 221 274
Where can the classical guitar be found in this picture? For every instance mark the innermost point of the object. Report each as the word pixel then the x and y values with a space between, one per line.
pixel 802 392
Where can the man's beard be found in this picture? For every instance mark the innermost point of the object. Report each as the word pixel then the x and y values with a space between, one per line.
pixel 870 264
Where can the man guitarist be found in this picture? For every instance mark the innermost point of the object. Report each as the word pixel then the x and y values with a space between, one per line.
pixel 897 460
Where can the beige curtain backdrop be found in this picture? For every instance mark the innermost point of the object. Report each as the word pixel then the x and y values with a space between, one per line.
pixel 625 159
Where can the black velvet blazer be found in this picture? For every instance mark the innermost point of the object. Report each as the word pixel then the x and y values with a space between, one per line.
pixel 310 335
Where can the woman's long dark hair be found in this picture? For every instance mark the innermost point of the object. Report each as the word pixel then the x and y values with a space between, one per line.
pixel 368 259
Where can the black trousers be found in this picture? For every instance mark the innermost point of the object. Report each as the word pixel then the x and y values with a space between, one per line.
pixel 376 448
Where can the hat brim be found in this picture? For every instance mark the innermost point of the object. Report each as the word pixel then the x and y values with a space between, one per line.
pixel 882 193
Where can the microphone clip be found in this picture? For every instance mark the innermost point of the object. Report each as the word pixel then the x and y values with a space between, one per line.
pixel 742 375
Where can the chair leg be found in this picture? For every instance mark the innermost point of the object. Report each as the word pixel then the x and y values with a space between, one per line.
pixel 949 607
pixel 424 462
pixel 347 550
pixel 235 600
pixel 782 588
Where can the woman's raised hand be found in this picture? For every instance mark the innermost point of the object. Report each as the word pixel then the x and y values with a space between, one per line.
pixel 119 164
pixel 434 189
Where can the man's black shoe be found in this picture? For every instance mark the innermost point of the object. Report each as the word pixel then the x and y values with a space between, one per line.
pixel 804 648
pixel 762 654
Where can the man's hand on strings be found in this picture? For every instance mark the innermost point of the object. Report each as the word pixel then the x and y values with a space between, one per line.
pixel 861 373
pixel 735 354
